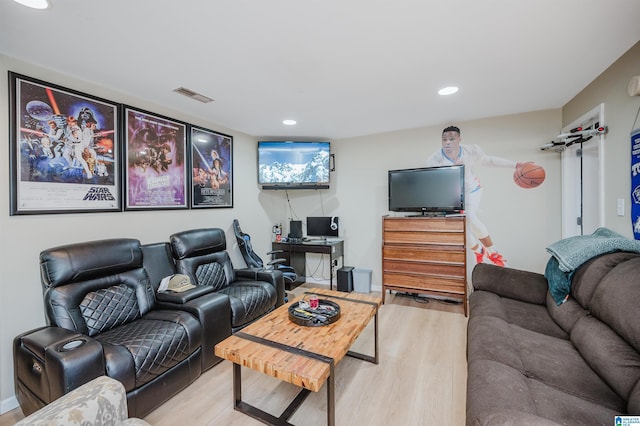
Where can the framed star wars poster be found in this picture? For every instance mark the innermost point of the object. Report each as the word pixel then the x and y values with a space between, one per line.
pixel 156 171
pixel 211 156
pixel 65 150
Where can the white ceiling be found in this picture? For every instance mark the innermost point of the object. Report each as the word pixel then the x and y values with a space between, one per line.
pixel 341 68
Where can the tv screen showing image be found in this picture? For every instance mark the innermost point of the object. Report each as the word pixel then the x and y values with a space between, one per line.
pixel 428 190
pixel 296 165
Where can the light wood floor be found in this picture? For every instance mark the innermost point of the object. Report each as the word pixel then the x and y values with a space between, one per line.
pixel 420 380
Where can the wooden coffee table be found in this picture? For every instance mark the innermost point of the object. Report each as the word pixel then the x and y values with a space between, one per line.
pixel 303 356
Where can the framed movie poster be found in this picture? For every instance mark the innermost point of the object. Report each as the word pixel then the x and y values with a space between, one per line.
pixel 156 173
pixel 64 150
pixel 211 169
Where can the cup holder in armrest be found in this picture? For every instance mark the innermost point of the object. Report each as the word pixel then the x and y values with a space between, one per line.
pixel 71 345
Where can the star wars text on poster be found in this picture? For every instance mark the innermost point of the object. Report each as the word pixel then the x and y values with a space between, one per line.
pixel 212 196
pixel 158 182
pixel 97 193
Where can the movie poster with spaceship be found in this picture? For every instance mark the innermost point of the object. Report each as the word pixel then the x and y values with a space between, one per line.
pixel 64 150
pixel 156 172
pixel 211 169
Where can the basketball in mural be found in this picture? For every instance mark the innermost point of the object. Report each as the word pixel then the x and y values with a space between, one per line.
pixel 529 175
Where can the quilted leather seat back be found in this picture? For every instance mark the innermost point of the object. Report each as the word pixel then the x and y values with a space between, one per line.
pixel 211 274
pixel 201 254
pixel 95 286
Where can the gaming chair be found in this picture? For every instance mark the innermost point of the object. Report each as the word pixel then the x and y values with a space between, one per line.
pixel 254 261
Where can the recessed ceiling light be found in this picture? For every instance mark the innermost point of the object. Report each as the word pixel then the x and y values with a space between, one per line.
pixel 447 90
pixel 289 122
pixel 34 4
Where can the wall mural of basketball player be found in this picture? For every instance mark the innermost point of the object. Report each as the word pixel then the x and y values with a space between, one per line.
pixel 526 175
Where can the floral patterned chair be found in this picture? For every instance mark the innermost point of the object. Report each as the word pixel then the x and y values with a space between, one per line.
pixel 101 401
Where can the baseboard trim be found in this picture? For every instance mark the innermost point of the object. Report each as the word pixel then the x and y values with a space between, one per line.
pixel 8 404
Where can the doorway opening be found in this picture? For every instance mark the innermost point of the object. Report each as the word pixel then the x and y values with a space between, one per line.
pixel 583 178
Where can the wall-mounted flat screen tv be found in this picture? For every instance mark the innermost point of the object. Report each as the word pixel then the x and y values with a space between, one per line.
pixel 428 190
pixel 293 165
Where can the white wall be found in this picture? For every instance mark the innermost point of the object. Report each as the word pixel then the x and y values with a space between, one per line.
pixel 522 222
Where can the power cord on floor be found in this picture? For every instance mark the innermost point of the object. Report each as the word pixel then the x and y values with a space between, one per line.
pixel 415 296
pixel 425 299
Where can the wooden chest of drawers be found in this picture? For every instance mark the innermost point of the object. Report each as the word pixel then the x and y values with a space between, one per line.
pixel 425 255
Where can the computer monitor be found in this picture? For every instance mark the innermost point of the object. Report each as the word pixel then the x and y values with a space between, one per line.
pixel 322 226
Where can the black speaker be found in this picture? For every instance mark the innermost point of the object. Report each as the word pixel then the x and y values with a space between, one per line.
pixel 295 229
pixel 345 279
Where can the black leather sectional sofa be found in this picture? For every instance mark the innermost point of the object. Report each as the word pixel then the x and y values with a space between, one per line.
pixel 106 317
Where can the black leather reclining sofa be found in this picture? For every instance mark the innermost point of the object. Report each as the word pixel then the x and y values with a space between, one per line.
pixel 105 317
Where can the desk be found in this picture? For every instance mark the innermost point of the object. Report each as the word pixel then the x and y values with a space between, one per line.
pixel 294 253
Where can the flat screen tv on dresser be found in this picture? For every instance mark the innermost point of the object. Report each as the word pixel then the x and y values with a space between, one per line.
pixel 429 191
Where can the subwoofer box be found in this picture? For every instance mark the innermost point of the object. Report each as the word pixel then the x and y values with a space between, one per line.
pixel 345 279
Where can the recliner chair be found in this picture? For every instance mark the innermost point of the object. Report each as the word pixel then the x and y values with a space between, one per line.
pixel 103 320
pixel 201 254
pixel 254 261
pixel 213 310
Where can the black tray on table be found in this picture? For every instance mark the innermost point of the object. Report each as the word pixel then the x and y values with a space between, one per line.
pixel 326 313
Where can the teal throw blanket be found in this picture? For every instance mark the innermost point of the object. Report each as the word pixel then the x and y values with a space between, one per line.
pixel 559 281
pixel 574 251
pixel 568 254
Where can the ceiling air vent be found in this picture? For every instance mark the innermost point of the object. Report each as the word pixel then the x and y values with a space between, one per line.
pixel 193 95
